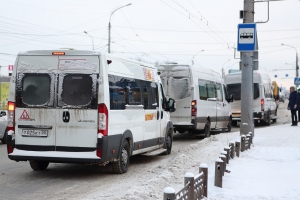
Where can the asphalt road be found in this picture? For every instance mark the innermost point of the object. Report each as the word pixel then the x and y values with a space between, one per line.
pixel 71 181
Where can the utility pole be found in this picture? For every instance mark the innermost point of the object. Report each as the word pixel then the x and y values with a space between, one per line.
pixel 247 125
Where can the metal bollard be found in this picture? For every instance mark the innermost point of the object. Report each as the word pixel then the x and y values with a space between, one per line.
pixel 248 137
pixel 189 177
pixel 223 158
pixel 169 193
pixel 204 168
pixel 218 173
pixel 232 149
pixel 243 143
pixel 251 137
pixel 237 148
pixel 227 149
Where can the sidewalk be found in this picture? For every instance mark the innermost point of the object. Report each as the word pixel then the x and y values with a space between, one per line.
pixel 269 170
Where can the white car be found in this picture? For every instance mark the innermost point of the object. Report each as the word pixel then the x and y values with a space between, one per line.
pixel 3 125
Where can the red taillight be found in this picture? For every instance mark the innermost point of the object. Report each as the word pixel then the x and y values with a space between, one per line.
pixel 99 153
pixel 194 108
pixel 10 148
pixel 102 119
pixel 262 102
pixel 11 116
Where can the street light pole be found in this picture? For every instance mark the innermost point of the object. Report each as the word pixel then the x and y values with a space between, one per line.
pixel 109 26
pixel 195 55
pixel 297 66
pixel 91 37
pixel 223 72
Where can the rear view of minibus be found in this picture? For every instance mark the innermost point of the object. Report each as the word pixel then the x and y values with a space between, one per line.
pixel 53 108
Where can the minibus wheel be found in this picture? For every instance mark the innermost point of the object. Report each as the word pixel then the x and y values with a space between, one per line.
pixel 207 129
pixel 169 142
pixel 268 122
pixel 229 125
pixel 3 140
pixel 38 165
pixel 121 166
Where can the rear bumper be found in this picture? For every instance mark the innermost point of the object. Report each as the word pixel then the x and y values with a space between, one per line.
pixel 256 116
pixel 55 156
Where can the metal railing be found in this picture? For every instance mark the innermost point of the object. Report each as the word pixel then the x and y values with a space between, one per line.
pixel 195 188
pixel 230 152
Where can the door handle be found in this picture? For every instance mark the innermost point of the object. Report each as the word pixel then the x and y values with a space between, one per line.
pixel 66 116
pixel 157 115
pixel 162 114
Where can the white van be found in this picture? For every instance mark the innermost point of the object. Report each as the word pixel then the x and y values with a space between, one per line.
pixel 264 105
pixel 73 106
pixel 201 98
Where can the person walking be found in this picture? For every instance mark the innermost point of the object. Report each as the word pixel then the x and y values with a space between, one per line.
pixel 299 105
pixel 293 104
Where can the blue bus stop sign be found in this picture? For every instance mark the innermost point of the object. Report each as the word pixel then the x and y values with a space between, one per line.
pixel 297 81
pixel 246 37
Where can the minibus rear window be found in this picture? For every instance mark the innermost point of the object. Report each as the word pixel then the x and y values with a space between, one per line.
pixel 77 89
pixel 179 87
pixel 235 89
pixel 36 89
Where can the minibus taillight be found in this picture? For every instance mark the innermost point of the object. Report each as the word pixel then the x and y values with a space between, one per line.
pixel 11 116
pixel 262 103
pixel 99 153
pixel 194 108
pixel 102 119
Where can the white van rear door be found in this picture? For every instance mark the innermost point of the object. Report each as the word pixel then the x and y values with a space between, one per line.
pixel 77 114
pixel 35 101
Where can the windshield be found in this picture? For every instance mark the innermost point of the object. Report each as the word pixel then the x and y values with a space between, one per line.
pixel 235 89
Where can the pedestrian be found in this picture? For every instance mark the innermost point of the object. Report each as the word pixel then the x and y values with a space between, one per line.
pixel 299 105
pixel 293 104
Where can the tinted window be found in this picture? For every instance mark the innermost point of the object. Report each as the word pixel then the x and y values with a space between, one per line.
pixel 211 90
pixel 127 91
pixel 36 89
pixel 150 93
pixel 235 89
pixel 225 92
pixel 202 89
pixel 219 92
pixel 77 89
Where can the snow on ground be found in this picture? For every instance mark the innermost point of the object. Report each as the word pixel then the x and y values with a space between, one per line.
pixel 269 170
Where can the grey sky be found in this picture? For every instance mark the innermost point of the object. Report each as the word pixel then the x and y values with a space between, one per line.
pixel 153 30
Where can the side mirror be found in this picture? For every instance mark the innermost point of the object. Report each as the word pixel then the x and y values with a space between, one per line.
pixel 171 105
pixel 230 98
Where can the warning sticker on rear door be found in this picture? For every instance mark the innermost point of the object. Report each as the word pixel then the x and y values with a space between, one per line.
pixel 25 116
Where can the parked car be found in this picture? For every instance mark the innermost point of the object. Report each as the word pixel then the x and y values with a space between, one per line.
pixel 3 126
pixel 202 102
pixel 75 106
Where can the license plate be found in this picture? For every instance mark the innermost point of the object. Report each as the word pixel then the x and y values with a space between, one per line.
pixel 35 133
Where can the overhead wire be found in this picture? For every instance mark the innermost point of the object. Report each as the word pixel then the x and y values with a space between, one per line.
pixel 146 44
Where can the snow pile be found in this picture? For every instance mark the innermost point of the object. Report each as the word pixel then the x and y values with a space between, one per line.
pixel 269 170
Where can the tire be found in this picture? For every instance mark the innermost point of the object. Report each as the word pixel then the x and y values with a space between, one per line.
pixel 274 120
pixel 234 123
pixel 169 142
pixel 229 125
pixel 268 122
pixel 207 129
pixel 38 165
pixel 121 165
pixel 4 139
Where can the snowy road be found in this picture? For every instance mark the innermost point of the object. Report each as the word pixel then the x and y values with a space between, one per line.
pixel 146 178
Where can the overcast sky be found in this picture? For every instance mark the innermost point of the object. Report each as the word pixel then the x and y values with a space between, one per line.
pixel 152 30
